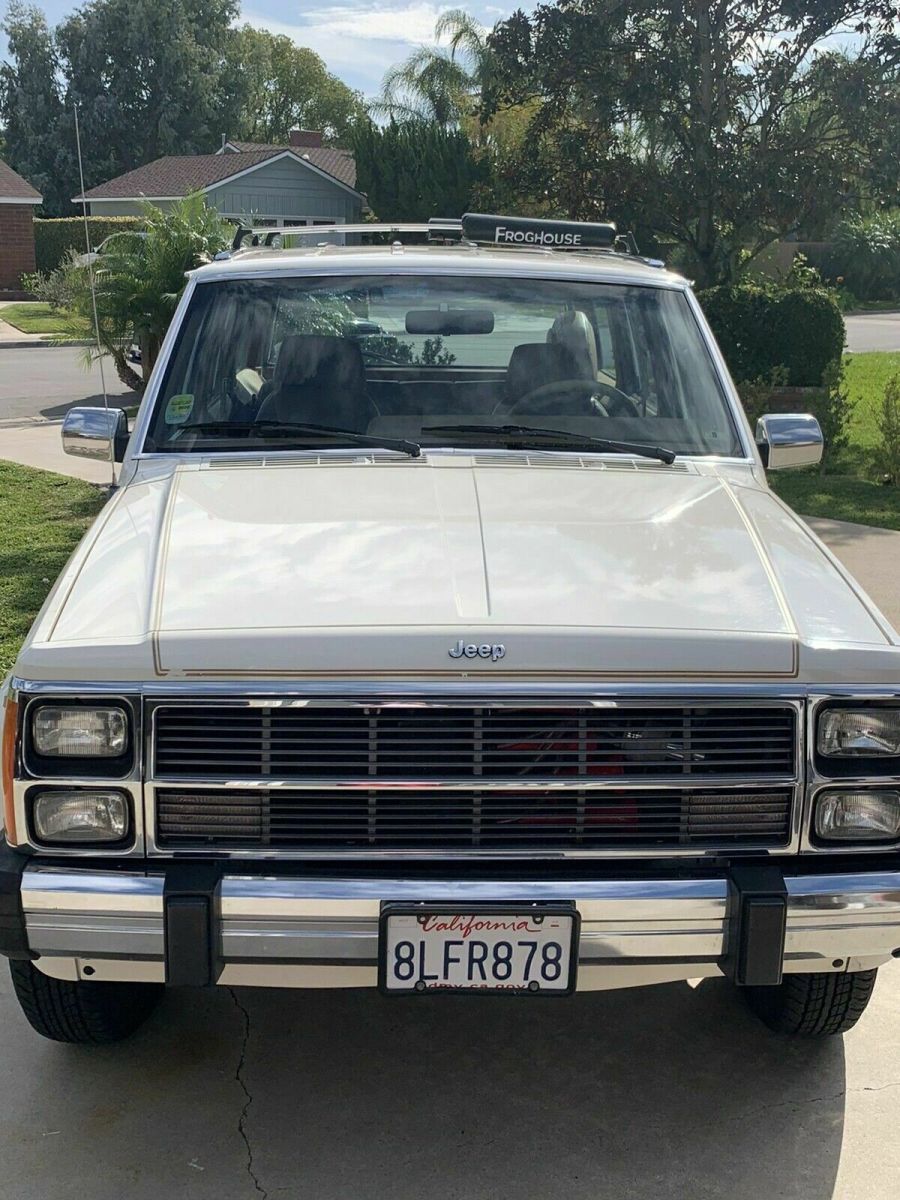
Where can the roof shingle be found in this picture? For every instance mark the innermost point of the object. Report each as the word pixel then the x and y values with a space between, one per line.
pixel 14 187
pixel 331 159
pixel 179 174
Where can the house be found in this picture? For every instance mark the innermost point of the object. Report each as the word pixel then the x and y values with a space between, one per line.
pixel 303 183
pixel 17 201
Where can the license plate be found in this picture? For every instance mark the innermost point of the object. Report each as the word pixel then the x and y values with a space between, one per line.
pixel 530 950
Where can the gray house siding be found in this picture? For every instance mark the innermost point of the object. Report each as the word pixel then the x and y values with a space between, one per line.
pixel 283 189
pixel 121 208
pixel 286 189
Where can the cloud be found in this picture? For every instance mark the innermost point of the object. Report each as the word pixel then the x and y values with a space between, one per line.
pixel 413 23
pixel 358 40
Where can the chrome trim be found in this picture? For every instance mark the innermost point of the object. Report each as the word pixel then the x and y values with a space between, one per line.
pixel 464 691
pixel 381 783
pixel 833 921
pixel 428 699
pixel 790 440
pixel 94 433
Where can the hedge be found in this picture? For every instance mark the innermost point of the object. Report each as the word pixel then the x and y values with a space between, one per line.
pixel 762 328
pixel 53 237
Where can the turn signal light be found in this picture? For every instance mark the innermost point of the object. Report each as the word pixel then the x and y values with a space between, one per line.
pixel 7 767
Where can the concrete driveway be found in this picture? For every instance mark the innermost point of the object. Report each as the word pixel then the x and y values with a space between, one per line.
pixel 670 1092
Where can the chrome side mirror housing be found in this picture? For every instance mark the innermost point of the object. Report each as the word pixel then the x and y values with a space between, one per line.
pixel 789 440
pixel 100 433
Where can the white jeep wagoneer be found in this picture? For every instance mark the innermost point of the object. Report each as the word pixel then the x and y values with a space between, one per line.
pixel 443 633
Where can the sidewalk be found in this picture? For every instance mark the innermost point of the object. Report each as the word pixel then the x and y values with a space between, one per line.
pixel 39 444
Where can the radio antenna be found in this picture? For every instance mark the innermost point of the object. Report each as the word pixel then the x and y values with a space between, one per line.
pixel 90 262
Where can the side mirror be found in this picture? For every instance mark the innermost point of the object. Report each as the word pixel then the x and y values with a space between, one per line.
pixel 789 440
pixel 93 432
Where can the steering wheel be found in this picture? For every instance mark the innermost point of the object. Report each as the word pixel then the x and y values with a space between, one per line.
pixel 544 400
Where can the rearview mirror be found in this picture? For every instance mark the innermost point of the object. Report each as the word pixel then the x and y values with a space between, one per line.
pixel 789 440
pixel 94 432
pixel 450 320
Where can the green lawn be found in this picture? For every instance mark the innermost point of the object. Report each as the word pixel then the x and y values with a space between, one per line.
pixel 849 491
pixel 43 516
pixel 36 317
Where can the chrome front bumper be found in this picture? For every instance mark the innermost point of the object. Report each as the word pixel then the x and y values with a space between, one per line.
pixel 323 932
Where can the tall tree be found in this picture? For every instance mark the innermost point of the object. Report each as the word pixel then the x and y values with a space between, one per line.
pixel 31 109
pixel 438 83
pixel 706 121
pixel 283 86
pixel 415 170
pixel 148 79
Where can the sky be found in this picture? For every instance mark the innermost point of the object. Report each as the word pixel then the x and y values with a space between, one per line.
pixel 358 39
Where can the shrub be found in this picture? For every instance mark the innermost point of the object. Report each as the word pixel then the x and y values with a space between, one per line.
pixel 888 453
pixel 761 327
pixel 833 408
pixel 866 253
pixel 55 287
pixel 756 394
pixel 53 238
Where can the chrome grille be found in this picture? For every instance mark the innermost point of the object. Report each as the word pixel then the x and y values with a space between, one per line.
pixel 332 778
pixel 418 819
pixel 385 742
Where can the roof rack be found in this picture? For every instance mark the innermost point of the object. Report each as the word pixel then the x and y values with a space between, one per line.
pixel 266 236
pixel 473 229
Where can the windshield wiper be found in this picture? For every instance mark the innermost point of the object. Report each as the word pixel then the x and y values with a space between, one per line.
pixel 517 434
pixel 413 449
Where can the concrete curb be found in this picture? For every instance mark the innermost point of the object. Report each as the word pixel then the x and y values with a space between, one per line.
pixel 38 343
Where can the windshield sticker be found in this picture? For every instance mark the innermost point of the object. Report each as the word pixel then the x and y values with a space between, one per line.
pixel 179 409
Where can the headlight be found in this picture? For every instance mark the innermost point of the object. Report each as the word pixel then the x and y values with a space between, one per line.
pixel 858 816
pixel 80 816
pixel 859 732
pixel 71 732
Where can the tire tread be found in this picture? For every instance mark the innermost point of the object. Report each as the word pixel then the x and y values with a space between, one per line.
pixel 82 1012
pixel 814 1005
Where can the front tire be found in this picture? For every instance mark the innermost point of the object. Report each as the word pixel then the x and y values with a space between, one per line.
pixel 817 1005
pixel 83 1012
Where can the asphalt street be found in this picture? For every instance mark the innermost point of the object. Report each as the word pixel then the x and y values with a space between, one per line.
pixel 43 382
pixel 873 331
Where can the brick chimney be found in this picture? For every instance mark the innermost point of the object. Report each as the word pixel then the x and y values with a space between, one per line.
pixel 306 138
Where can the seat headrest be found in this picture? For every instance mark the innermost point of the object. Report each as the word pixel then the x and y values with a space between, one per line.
pixel 534 364
pixel 572 330
pixel 318 361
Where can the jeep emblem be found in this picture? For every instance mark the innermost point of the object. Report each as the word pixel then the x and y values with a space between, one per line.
pixel 471 650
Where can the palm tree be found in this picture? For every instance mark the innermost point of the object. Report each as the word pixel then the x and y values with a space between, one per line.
pixel 138 281
pixel 437 83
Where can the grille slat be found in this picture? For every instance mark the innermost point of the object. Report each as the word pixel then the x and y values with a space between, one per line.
pixel 386 742
pixel 429 820
pixel 488 754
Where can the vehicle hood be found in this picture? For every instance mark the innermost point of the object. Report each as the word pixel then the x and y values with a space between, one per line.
pixel 306 567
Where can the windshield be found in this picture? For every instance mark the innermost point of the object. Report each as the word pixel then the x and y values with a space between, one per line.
pixel 431 360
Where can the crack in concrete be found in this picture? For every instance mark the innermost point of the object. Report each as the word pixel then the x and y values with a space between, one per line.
pixel 248 1098
pixel 812 1100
